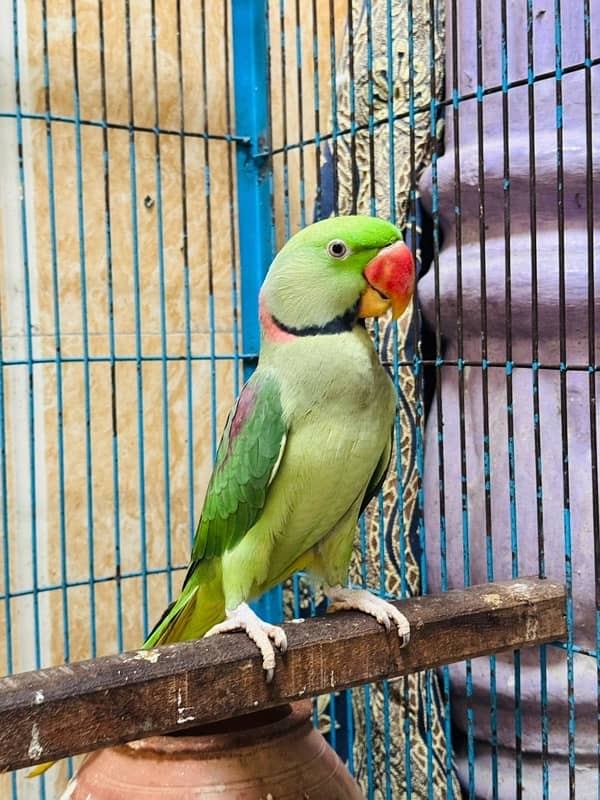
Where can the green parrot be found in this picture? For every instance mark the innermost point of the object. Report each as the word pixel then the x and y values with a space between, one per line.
pixel 308 442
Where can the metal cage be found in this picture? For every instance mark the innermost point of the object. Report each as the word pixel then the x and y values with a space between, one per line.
pixel 154 156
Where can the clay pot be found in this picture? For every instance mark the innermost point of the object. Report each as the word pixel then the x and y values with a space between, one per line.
pixel 270 755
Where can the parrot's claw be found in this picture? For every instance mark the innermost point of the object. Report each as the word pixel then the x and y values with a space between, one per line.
pixel 261 633
pixel 362 600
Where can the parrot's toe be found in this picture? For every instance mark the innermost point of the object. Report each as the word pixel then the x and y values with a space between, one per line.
pixel 279 638
pixel 382 616
pixel 361 600
pixel 401 623
pixel 262 634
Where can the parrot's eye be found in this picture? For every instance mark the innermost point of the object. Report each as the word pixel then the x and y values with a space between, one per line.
pixel 337 249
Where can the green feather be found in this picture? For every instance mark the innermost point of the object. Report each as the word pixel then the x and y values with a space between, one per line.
pixel 243 468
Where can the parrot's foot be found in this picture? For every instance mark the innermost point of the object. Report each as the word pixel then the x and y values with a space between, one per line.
pixel 362 600
pixel 261 633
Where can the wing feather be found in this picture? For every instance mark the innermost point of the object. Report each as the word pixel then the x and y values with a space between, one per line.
pixel 378 476
pixel 248 457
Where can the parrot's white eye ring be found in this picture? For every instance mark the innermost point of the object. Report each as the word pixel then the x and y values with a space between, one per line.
pixel 337 248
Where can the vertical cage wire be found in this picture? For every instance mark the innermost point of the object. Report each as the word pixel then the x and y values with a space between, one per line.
pixel 560 202
pixel 437 352
pixel 591 335
pixel 536 388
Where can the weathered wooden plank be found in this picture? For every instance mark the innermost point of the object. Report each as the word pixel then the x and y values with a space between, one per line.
pixel 80 707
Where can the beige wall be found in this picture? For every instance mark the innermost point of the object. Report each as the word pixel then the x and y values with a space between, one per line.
pixel 118 395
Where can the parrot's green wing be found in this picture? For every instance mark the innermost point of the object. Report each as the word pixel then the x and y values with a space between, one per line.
pixel 379 474
pixel 247 459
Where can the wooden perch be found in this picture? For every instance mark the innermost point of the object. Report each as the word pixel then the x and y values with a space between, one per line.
pixel 60 711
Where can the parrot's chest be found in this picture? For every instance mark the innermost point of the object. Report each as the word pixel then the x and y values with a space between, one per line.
pixel 340 405
pixel 336 376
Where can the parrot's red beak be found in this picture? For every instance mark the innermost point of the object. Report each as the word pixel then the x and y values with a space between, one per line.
pixel 391 282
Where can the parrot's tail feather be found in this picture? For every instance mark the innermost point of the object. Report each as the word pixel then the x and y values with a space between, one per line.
pixel 176 630
pixel 173 624
pixel 158 625
pixel 200 605
pixel 39 769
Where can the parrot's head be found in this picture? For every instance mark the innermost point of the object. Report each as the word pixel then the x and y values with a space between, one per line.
pixel 339 268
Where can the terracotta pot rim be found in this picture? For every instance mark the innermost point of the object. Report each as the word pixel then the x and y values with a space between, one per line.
pixel 183 744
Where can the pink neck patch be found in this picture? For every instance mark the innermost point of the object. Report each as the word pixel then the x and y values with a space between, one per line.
pixel 271 329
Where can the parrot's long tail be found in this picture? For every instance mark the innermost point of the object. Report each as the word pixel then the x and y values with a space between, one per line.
pixel 200 605
pixel 39 769
pixel 174 621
